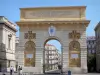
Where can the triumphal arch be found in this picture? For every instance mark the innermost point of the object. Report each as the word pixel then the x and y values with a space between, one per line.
pixel 65 24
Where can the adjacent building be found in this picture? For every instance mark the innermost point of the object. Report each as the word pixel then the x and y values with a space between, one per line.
pixel 52 57
pixel 7 44
pixel 91 53
pixel 97 34
pixel 91 45
pixel 16 51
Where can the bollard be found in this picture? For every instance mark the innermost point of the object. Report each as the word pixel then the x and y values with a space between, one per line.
pixel 69 72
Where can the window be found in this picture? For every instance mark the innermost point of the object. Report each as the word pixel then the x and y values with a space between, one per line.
pixel 93 51
pixel 89 42
pixel 8 63
pixel 93 41
pixel 89 51
pixel 9 41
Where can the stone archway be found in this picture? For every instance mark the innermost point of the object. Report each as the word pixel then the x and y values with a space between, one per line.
pixel 45 51
pixel 51 22
pixel 29 54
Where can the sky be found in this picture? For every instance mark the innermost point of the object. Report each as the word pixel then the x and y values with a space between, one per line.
pixel 56 43
pixel 10 9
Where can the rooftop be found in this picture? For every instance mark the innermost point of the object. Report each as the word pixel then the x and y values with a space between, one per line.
pixel 7 22
pixel 98 25
pixel 91 38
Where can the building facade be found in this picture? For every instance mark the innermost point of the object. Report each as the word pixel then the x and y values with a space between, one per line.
pixel 97 34
pixel 7 44
pixel 52 57
pixel 91 53
pixel 16 51
pixel 65 24
pixel 91 45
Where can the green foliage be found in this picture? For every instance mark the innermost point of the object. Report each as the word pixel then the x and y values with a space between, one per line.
pixel 91 63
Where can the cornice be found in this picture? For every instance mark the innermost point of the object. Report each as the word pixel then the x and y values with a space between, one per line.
pixel 9 26
pixel 7 22
pixel 83 22
pixel 57 7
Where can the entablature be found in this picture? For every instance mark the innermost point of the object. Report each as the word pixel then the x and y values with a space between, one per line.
pixel 38 13
pixel 80 22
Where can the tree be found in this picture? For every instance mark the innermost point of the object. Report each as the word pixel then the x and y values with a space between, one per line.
pixel 91 63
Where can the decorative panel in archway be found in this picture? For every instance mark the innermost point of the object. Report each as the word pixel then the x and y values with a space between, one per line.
pixel 74 54
pixel 29 54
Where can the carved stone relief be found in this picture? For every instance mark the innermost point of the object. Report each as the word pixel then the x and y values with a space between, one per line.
pixel 29 54
pixel 30 35
pixel 52 14
pixel 74 54
pixel 74 35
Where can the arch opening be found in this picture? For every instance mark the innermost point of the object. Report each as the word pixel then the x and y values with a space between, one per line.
pixel 53 54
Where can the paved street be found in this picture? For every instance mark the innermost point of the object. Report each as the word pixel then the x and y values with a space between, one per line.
pixel 88 74
pixel 54 74
pixel 8 73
